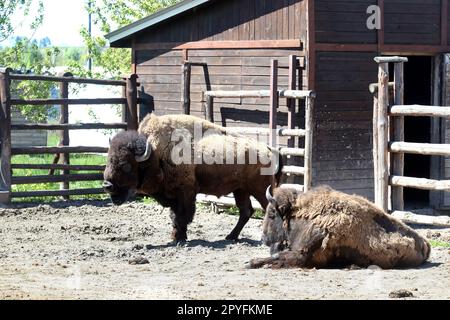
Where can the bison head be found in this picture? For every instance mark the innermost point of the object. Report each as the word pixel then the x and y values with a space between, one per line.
pixel 280 206
pixel 126 152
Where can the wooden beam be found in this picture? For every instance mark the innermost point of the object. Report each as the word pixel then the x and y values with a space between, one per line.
pixel 382 176
pixel 70 80
pixel 186 88
pixel 420 111
pixel 5 135
pixel 64 139
pixel 444 22
pixel 309 130
pixel 430 149
pixel 71 126
pixel 59 167
pixel 398 134
pixel 58 178
pixel 420 183
pixel 295 152
pixel 132 94
pixel 247 44
pixel 380 32
pixel 296 170
pixel 401 49
pixel 291 103
pixel 311 49
pixel 274 100
pixel 209 108
pixel 412 218
pixel 57 193
pixel 35 102
pixel 292 132
pixel 51 150
pixel 331 47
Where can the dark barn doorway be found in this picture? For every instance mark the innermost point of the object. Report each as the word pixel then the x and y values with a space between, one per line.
pixel 418 90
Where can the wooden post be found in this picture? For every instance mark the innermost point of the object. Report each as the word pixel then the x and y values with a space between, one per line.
pixel 64 134
pixel 132 95
pixel 398 135
pixel 274 99
pixel 375 143
pixel 382 175
pixel 5 136
pixel 124 106
pixel 292 102
pixel 186 88
pixel 209 108
pixel 309 128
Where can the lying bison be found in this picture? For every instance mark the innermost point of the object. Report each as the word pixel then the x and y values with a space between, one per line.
pixel 146 162
pixel 325 228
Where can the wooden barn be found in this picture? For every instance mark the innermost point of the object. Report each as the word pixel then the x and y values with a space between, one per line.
pixel 229 45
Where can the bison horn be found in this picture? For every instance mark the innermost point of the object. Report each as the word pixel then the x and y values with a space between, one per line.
pixel 269 195
pixel 147 153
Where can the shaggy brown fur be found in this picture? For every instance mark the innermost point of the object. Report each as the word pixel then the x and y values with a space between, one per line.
pixel 176 186
pixel 327 228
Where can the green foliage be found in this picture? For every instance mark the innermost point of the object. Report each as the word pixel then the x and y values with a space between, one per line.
pixel 441 244
pixel 10 9
pixel 110 15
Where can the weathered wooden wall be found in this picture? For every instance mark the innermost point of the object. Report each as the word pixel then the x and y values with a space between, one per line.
pixel 244 69
pixel 343 21
pixel 446 98
pixel 343 134
pixel 234 20
pixel 412 22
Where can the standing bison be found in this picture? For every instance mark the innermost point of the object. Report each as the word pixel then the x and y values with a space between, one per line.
pixel 148 162
pixel 325 228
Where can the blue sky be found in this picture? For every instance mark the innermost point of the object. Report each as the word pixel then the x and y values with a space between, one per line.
pixel 62 22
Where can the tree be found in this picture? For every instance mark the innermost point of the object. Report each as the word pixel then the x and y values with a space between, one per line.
pixel 110 15
pixel 13 8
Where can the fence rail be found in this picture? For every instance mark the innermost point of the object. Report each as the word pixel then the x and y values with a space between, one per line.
pixel 62 152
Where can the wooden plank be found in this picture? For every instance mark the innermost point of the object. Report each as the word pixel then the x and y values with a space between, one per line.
pixel 71 126
pixel 70 167
pixel 420 183
pixel 5 135
pixel 223 44
pixel 409 217
pixel 398 127
pixel 292 132
pixel 51 150
pixel 57 193
pixel 57 178
pixel 431 149
pixel 21 102
pixel 24 77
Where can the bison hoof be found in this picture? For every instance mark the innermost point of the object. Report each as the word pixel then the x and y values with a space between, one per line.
pixel 232 237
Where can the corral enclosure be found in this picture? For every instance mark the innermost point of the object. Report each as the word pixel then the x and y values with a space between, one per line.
pixel 238 39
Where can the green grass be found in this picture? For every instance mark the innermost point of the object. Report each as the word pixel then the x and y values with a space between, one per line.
pixel 439 244
pixel 234 211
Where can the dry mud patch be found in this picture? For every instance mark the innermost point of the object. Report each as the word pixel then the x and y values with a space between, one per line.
pixel 83 250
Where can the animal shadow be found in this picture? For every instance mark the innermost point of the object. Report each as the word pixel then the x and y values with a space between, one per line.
pixel 218 244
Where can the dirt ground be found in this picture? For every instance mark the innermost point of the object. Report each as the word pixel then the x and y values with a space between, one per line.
pixel 83 251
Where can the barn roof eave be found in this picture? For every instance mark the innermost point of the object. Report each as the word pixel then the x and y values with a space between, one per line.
pixel 120 37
